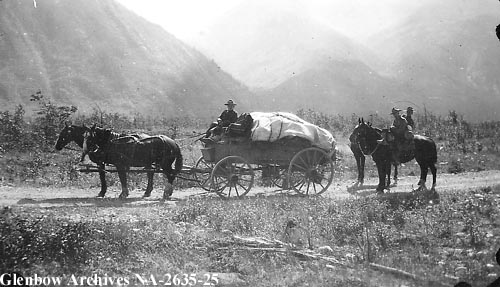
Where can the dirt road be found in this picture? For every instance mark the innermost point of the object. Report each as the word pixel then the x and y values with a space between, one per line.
pixel 47 196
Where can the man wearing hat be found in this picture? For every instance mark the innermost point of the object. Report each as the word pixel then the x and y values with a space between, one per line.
pixel 409 119
pixel 399 125
pixel 398 129
pixel 226 118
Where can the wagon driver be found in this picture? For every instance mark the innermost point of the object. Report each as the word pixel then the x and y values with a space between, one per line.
pixel 226 118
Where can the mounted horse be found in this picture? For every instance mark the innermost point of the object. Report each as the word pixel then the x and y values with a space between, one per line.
pixel 156 151
pixel 73 133
pixel 425 153
pixel 360 160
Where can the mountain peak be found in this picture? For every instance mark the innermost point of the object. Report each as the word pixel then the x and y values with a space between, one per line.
pixel 89 53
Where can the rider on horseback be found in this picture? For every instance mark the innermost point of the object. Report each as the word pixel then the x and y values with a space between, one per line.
pixel 409 119
pixel 400 132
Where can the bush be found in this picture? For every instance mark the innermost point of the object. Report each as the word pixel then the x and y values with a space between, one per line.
pixel 29 241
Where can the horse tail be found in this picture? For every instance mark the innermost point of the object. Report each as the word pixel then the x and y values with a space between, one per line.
pixel 174 151
pixel 178 159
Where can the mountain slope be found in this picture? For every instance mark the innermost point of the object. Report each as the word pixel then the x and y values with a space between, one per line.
pixel 89 52
pixel 264 43
pixel 337 87
pixel 448 59
pixel 443 55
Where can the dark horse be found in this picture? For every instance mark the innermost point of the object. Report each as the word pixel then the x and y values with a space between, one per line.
pixel 73 133
pixel 125 152
pixel 425 154
pixel 360 159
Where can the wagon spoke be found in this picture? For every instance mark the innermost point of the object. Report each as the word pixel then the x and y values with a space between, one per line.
pixel 314 187
pixel 300 167
pixel 236 172
pixel 236 189
pixel 314 158
pixel 302 185
pixel 202 172
pixel 221 181
pixel 204 181
pixel 311 170
pixel 241 185
pixel 223 170
pixel 322 186
pixel 303 161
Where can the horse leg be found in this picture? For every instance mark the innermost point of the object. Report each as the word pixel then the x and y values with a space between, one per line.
pixel 170 176
pixel 433 171
pixel 149 188
pixel 381 177
pixel 388 174
pixel 395 174
pixel 122 174
pixel 360 164
pixel 361 170
pixel 102 177
pixel 423 176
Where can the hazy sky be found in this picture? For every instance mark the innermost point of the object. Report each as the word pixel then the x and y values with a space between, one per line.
pixel 356 18
pixel 183 18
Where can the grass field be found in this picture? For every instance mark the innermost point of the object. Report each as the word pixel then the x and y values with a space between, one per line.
pixel 338 239
pixel 437 243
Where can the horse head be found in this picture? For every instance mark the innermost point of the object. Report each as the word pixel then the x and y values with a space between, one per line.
pixel 64 138
pixel 366 136
pixel 70 133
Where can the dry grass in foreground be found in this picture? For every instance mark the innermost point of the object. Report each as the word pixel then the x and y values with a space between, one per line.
pixel 437 244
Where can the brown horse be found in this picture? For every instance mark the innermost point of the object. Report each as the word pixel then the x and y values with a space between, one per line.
pixel 425 154
pixel 156 151
pixel 361 157
pixel 73 133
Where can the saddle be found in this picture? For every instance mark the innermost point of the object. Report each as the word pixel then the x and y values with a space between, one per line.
pixel 402 146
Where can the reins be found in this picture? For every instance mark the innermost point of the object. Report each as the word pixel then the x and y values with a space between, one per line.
pixel 371 153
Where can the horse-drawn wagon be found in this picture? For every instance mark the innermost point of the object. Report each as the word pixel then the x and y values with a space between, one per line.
pixel 283 149
pixel 288 151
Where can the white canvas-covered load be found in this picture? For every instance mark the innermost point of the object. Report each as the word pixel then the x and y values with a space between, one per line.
pixel 274 126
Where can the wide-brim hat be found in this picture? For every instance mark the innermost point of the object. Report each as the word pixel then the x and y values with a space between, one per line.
pixel 395 111
pixel 230 103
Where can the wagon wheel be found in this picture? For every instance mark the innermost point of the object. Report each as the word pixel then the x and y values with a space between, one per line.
pixel 232 176
pixel 281 179
pixel 310 171
pixel 278 178
pixel 202 173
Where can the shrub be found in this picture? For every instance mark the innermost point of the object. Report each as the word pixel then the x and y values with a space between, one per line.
pixel 29 241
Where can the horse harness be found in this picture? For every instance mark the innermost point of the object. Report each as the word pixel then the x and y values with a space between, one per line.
pixel 371 153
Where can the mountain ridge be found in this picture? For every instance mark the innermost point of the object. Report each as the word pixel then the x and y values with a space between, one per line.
pixel 442 56
pixel 89 53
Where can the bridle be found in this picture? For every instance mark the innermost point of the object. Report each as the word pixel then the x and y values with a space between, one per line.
pixel 368 154
pixel 362 150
